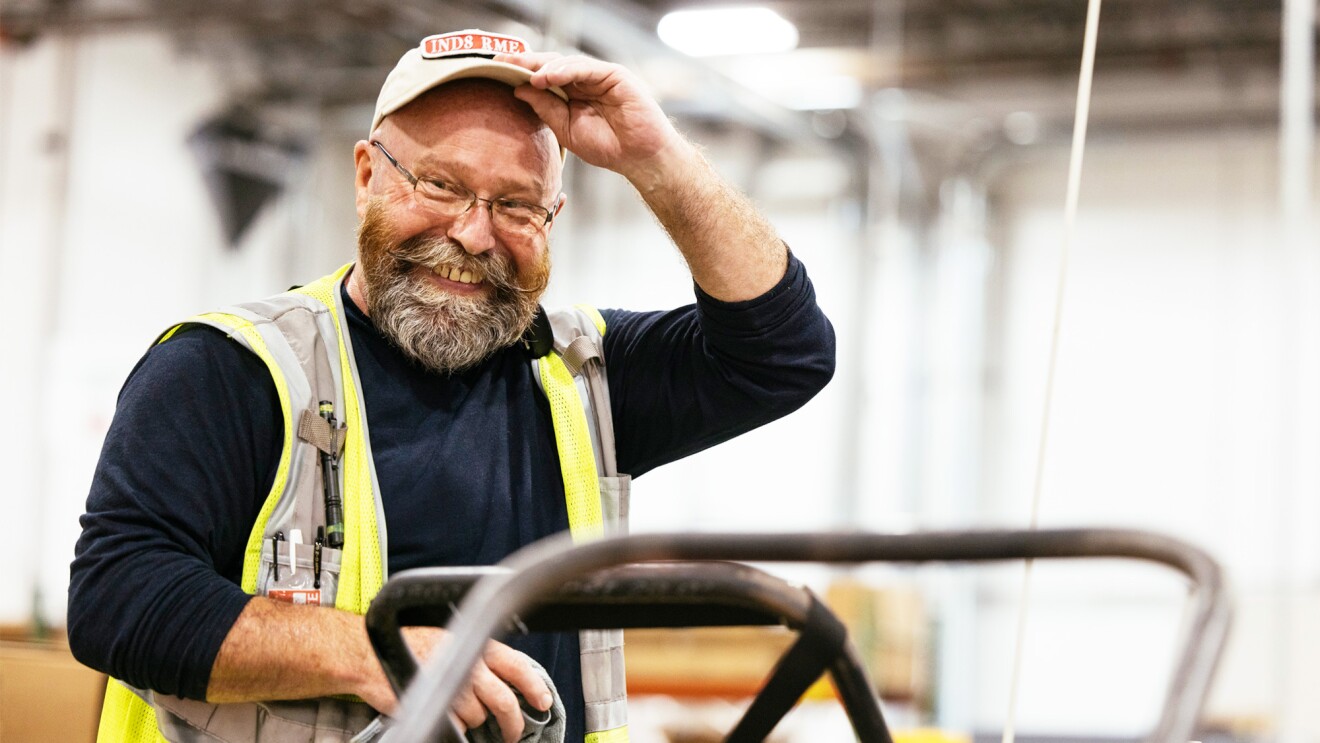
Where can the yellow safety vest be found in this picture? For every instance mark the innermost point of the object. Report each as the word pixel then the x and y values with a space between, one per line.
pixel 300 336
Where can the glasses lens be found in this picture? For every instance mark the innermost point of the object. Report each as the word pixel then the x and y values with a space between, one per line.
pixel 518 217
pixel 507 216
pixel 444 198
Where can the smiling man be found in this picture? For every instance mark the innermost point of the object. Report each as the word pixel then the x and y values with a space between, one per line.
pixel 270 464
pixel 452 298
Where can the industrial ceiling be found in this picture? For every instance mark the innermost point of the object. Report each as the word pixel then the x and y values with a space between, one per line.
pixel 1161 64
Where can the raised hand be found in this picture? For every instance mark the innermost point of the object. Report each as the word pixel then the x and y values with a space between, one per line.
pixel 608 121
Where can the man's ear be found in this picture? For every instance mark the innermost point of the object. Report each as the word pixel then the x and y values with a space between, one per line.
pixel 362 176
pixel 558 207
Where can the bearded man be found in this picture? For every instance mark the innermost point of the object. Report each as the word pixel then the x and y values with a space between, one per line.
pixel 220 575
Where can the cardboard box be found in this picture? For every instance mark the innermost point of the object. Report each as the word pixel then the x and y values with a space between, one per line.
pixel 888 626
pixel 46 695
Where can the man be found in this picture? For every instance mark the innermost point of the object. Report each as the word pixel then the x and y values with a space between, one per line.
pixel 450 438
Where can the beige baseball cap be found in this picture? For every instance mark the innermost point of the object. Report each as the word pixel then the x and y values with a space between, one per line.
pixel 452 56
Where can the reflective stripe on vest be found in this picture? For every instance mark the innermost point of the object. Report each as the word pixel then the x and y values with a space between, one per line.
pixel 577 459
pixel 364 568
pixel 597 496
pixel 126 716
pixel 617 735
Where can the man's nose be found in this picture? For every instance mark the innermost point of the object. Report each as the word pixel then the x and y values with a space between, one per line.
pixel 473 229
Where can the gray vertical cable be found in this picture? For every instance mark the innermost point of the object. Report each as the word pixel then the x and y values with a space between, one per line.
pixel 1080 120
pixel 1298 408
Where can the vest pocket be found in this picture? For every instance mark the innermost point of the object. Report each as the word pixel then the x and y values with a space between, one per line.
pixel 297 582
pixel 614 494
pixel 323 720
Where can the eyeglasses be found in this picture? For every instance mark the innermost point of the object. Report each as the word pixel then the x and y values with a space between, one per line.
pixel 448 199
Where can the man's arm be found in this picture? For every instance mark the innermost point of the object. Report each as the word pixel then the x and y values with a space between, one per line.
pixel 281 651
pixel 186 464
pixel 610 122
pixel 689 378
pixel 733 252
pixel 756 346
pixel 277 650
pixel 153 598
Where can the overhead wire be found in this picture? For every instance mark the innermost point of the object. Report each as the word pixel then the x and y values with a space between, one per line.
pixel 1080 120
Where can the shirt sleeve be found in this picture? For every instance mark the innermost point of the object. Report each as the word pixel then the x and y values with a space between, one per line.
pixel 186 464
pixel 684 380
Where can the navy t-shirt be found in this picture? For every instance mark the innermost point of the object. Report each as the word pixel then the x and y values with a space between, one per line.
pixel 467 465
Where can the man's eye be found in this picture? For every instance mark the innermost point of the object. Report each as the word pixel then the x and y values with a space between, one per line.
pixel 515 207
pixel 448 190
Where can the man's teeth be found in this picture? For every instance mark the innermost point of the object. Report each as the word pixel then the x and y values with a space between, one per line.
pixel 453 273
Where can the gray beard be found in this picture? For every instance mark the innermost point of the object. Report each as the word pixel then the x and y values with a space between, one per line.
pixel 444 332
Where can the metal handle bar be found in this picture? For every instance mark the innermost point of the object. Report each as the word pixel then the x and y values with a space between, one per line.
pixel 538 569
pixel 681 594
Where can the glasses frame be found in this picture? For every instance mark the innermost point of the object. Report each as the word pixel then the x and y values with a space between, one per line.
pixel 549 212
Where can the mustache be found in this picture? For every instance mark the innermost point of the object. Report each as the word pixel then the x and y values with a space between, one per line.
pixel 410 259
pixel 430 251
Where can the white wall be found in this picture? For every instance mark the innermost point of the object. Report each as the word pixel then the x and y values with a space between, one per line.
pixel 1174 411
pixel 135 247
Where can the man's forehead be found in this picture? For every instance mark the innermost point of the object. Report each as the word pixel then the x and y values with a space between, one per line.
pixel 454 135
pixel 468 155
pixel 473 100
pixel 474 108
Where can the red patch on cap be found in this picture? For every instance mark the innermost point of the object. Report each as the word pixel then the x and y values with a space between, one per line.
pixel 471 42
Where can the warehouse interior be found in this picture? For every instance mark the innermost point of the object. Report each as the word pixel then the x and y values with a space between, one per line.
pixel 915 155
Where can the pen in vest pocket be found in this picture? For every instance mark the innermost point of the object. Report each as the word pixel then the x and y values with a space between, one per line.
pixel 334 505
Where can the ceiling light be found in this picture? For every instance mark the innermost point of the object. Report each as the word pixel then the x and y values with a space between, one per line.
pixel 722 31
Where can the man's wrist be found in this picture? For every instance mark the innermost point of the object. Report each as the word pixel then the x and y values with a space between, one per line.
pixel 677 162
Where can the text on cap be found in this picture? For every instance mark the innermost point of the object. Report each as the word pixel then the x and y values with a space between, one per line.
pixel 471 41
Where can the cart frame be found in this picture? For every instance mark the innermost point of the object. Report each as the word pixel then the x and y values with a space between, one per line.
pixel 544 574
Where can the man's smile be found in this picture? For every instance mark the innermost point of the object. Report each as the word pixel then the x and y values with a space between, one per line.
pixel 470 275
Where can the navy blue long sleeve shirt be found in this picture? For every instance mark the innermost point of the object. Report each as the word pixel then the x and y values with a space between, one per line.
pixel 467 465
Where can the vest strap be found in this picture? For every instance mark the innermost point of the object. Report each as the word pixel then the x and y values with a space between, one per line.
pixel 318 432
pixel 579 352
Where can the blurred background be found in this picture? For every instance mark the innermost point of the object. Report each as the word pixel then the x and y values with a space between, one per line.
pixel 164 157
